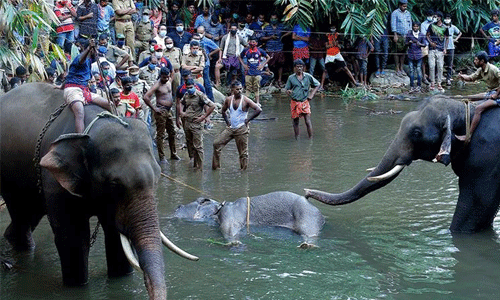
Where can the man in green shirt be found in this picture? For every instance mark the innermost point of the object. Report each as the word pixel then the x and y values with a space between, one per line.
pixel 298 87
pixel 490 74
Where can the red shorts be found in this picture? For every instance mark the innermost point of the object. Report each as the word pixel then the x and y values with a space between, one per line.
pixel 301 53
pixel 299 109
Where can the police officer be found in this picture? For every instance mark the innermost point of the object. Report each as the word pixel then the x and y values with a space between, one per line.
pixel 149 73
pixel 144 32
pixel 174 55
pixel 140 87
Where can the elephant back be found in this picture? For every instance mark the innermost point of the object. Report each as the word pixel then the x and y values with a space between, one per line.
pixel 23 113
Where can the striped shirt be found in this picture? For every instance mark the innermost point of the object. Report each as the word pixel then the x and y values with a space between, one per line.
pixel 66 25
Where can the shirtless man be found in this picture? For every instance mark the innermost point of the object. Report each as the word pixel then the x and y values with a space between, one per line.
pixel 163 117
pixel 237 125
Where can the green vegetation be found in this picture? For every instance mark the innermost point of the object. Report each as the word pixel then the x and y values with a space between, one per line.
pixel 368 17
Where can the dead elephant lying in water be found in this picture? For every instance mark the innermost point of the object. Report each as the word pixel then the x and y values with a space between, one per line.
pixel 281 209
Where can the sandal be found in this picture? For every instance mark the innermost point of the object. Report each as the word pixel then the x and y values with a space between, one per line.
pixel 440 88
pixel 431 88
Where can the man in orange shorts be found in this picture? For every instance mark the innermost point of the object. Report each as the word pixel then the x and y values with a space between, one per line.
pixel 298 87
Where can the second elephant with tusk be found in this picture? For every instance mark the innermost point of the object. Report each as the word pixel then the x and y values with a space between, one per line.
pixel 281 209
pixel 429 134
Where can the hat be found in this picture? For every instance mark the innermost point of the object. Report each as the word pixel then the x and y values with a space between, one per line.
pixel 121 73
pixel 120 36
pixel 133 70
pixel 185 72
pixel 403 1
pixel 103 49
pixel 146 11
pixel 157 48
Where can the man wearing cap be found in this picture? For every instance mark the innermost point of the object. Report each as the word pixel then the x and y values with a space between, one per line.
pixel 139 86
pixel 163 113
pixel 149 73
pixel 144 32
pixel 401 23
pixel 194 108
pixel 194 61
pixel 298 87
pixel 117 84
pixel 180 36
pixel 124 9
pixel 148 52
pixel 117 54
pixel 174 55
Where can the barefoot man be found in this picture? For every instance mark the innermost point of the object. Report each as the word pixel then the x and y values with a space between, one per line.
pixel 163 117
pixel 298 88
pixel 490 74
pixel 237 125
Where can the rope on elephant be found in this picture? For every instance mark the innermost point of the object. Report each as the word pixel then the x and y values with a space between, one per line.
pixel 467 120
pixel 188 186
pixel 248 214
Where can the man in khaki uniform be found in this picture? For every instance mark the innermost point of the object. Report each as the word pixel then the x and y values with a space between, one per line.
pixel 194 61
pixel 192 111
pixel 144 32
pixel 149 73
pixel 124 9
pixel 119 52
pixel 140 87
pixel 174 55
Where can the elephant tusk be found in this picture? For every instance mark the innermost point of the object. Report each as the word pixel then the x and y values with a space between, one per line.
pixel 387 175
pixel 370 169
pixel 176 249
pixel 127 249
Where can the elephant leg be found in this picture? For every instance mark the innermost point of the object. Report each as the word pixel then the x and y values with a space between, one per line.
pixel 23 217
pixel 72 239
pixel 477 204
pixel 116 260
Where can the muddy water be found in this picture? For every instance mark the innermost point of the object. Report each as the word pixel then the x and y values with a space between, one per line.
pixel 392 244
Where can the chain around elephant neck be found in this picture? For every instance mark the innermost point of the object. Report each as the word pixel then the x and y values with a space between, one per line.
pixel 37 158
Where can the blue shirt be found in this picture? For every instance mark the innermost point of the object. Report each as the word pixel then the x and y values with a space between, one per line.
pixel 200 21
pixel 216 31
pixel 253 60
pixel 493 30
pixel 79 73
pixel 401 22
pixel 300 32
pixel 105 15
pixel 438 35
pixel 180 41
pixel 274 45
pixel 209 46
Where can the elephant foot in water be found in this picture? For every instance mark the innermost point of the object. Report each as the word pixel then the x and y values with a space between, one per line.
pixel 21 240
pixel 233 244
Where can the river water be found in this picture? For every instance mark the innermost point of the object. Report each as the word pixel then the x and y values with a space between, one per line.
pixel 392 244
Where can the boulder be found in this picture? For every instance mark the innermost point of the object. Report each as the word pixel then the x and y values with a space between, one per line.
pixel 389 79
pixel 218 96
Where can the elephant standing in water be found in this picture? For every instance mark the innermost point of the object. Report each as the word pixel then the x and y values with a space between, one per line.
pixel 429 134
pixel 109 172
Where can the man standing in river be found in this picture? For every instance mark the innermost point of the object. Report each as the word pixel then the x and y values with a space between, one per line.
pixel 298 87
pixel 163 117
pixel 237 125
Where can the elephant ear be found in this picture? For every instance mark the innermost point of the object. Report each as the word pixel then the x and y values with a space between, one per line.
pixel 66 161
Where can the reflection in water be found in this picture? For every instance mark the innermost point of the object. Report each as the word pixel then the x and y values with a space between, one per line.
pixel 392 244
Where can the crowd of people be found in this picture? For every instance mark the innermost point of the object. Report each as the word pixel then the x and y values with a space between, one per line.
pixel 160 64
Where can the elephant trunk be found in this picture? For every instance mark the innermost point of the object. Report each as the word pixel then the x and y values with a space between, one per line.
pixel 394 160
pixel 142 227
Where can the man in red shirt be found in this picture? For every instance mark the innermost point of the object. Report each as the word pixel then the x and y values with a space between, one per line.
pixel 334 59
pixel 129 97
pixel 65 12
